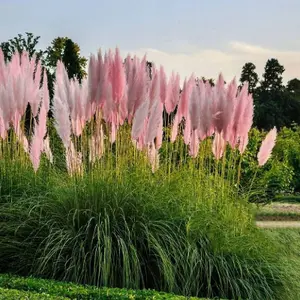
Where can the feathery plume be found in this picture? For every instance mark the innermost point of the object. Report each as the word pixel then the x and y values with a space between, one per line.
pixel 173 89
pixel 61 109
pixel 266 147
pixel 219 145
pixel 139 119
pixel 47 149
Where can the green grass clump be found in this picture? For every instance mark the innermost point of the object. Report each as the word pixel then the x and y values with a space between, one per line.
pixel 186 229
pixel 185 233
pixel 64 290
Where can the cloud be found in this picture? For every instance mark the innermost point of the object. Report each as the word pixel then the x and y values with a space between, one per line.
pixel 210 62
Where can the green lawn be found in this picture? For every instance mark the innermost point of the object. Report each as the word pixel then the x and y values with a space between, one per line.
pixel 279 211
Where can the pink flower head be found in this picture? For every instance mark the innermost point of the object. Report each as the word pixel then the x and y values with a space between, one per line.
pixel 173 89
pixel 219 145
pixel 163 84
pixel 266 147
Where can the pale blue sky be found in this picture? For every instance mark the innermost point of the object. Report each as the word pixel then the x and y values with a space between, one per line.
pixel 171 26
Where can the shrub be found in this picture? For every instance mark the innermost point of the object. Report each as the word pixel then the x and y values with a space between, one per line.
pixel 276 178
pixel 8 294
pixel 288 150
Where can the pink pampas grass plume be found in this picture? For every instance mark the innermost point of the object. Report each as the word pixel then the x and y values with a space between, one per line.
pixel 139 119
pixel 163 84
pixel 153 157
pixel 62 105
pixel 47 149
pixel 194 144
pixel 266 147
pixel 74 160
pixel 3 127
pixel 118 78
pixel 2 65
pixel 236 127
pixel 96 144
pixel 62 120
pixel 187 130
pixel 23 140
pixel 37 145
pixel 36 148
pixel 137 85
pixel 159 135
pixel 173 89
pixel 183 105
pixel 154 93
pixel 224 103
pixel 97 74
pixel 194 108
pixel 153 122
pixel 175 128
pixel 219 145
pixel 45 92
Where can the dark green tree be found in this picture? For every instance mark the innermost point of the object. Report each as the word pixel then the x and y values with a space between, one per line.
pixel 249 75
pixel 294 86
pixel 275 104
pixel 55 52
pixel 74 63
pixel 272 77
pixel 64 49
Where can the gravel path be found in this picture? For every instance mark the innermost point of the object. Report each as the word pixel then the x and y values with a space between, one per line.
pixel 278 224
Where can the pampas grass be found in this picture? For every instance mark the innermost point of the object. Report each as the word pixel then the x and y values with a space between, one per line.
pixel 127 202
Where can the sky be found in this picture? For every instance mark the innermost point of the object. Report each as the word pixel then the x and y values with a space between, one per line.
pixel 185 36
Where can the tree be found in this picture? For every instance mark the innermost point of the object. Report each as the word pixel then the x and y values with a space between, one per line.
pixel 74 63
pixel 55 52
pixel 272 77
pixel 64 49
pixel 249 75
pixel 20 44
pixel 294 86
pixel 274 104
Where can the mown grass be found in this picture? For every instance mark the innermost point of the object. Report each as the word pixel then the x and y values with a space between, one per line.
pixel 278 211
pixel 288 199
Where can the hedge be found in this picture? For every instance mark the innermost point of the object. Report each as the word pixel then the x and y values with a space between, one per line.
pixel 12 287
pixel 9 294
